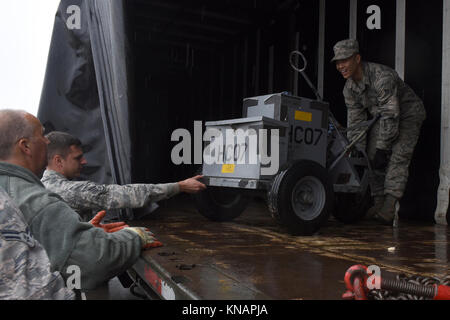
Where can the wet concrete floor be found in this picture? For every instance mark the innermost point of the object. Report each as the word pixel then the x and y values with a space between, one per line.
pixel 253 258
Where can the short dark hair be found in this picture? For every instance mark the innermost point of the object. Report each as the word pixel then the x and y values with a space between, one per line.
pixel 60 143
pixel 13 126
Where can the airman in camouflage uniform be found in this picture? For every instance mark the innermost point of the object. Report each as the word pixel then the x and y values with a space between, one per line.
pixel 65 162
pixel 87 197
pixel 24 264
pixel 99 252
pixel 377 90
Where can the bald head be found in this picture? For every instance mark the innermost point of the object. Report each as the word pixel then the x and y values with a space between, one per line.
pixel 22 141
pixel 14 125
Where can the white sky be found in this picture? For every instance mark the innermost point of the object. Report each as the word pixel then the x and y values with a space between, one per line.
pixel 25 33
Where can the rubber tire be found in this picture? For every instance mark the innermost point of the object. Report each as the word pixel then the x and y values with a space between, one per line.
pixel 211 206
pixel 280 195
pixel 351 207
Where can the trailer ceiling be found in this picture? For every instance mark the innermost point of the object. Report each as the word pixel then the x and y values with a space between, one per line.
pixel 201 24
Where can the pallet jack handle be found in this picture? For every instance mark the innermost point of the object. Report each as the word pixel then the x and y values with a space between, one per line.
pixel 302 71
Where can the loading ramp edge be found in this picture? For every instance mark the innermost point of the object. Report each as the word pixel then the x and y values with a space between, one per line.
pixel 159 281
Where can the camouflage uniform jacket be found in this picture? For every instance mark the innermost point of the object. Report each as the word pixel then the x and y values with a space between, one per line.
pixel 24 264
pixel 68 241
pixel 88 195
pixel 381 91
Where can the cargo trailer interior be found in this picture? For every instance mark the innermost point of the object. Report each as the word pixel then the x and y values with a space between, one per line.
pixel 196 60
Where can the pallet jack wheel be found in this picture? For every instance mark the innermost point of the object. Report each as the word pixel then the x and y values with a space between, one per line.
pixel 221 204
pixel 351 207
pixel 301 197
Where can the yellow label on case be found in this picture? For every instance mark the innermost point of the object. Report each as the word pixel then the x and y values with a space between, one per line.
pixel 228 168
pixel 303 116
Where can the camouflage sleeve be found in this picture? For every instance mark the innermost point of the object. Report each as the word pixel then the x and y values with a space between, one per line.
pixel 389 109
pixel 69 242
pixel 102 256
pixel 99 255
pixel 89 195
pixel 356 113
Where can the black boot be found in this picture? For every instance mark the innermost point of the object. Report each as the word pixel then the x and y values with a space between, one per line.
pixel 377 205
pixel 386 214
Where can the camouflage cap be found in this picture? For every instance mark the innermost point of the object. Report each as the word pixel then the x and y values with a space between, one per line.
pixel 345 49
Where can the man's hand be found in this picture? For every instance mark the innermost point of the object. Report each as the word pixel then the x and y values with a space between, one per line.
pixel 381 159
pixel 192 185
pixel 107 227
pixel 147 237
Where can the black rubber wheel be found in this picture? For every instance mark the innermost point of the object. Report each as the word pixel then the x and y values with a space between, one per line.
pixel 221 204
pixel 301 197
pixel 351 207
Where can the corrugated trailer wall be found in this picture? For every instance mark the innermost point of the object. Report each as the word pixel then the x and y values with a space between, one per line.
pixel 197 62
pixel 423 72
pixel 337 24
pixel 377 45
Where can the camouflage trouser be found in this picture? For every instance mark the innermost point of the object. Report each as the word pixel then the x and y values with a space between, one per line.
pixel 393 180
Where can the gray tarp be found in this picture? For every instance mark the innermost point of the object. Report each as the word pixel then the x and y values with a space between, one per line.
pixel 85 90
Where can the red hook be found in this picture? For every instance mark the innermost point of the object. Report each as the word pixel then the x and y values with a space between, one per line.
pixel 355 281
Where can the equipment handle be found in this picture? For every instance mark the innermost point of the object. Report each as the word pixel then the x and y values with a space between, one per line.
pixel 305 62
pixel 302 71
